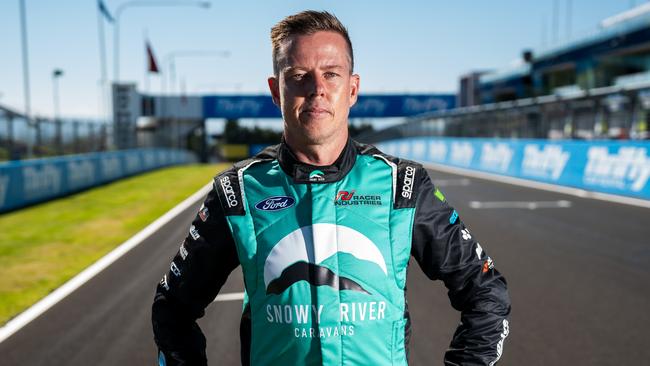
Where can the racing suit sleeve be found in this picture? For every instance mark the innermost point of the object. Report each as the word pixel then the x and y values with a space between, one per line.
pixel 197 272
pixel 445 249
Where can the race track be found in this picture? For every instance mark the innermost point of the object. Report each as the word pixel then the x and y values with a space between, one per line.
pixel 578 272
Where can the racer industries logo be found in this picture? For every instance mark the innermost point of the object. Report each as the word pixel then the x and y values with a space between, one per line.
pixel 298 257
pixel 351 198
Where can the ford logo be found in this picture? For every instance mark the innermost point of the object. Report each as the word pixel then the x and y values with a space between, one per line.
pixel 275 203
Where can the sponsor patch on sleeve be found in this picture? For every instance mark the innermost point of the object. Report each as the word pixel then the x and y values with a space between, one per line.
pixel 194 233
pixel 488 265
pixel 228 190
pixel 204 213
pixel 439 195
pixel 183 251
pixel 465 234
pixel 163 283
pixel 408 178
pixel 453 218
pixel 479 251
pixel 174 269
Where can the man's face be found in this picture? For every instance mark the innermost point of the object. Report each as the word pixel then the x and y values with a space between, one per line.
pixel 314 87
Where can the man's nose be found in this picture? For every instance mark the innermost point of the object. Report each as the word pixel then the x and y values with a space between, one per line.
pixel 317 86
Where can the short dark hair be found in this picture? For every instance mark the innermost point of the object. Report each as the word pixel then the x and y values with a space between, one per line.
pixel 305 23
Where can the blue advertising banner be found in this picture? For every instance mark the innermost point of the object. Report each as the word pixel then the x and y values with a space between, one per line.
pixel 261 106
pixel 401 105
pixel 26 182
pixel 616 167
pixel 240 106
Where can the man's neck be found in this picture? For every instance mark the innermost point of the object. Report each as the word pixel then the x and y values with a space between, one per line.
pixel 317 154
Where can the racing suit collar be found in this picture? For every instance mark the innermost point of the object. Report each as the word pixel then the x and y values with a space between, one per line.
pixel 307 173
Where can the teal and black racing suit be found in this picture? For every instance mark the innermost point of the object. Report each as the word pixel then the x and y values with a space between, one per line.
pixel 324 252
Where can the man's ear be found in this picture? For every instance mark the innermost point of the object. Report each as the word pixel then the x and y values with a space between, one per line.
pixel 354 88
pixel 274 87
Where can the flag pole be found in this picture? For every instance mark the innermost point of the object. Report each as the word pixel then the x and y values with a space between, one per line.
pixel 146 61
pixel 102 62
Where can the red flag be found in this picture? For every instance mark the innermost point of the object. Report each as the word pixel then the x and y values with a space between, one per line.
pixel 151 60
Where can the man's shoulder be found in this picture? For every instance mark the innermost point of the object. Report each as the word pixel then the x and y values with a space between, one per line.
pixel 228 183
pixel 406 174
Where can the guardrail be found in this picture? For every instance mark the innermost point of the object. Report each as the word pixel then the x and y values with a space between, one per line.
pixel 614 167
pixel 30 181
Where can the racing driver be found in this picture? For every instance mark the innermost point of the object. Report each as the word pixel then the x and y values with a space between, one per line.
pixel 323 228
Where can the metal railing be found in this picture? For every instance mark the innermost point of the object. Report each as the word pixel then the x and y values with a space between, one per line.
pixel 604 113
pixel 21 138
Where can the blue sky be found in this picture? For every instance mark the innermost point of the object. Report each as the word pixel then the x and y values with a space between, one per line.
pixel 400 46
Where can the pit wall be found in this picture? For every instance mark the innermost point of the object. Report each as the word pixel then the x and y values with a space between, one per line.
pixel 612 167
pixel 26 182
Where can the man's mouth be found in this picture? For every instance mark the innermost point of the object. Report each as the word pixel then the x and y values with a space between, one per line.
pixel 315 112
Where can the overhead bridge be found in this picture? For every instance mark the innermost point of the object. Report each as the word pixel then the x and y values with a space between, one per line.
pixel 175 117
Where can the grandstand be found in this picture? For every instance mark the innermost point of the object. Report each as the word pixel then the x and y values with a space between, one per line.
pixel 593 87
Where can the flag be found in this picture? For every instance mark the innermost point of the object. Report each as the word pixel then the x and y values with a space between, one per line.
pixel 104 10
pixel 152 65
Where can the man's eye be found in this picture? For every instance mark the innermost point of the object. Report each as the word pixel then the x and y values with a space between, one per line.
pixel 330 74
pixel 297 76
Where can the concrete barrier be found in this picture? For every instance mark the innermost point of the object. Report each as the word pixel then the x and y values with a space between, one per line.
pixel 613 167
pixel 27 182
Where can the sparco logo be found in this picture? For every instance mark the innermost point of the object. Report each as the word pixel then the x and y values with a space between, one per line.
pixel 276 203
pixel 228 191
pixel 409 177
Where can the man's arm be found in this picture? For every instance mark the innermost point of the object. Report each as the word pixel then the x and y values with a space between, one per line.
pixel 197 272
pixel 446 250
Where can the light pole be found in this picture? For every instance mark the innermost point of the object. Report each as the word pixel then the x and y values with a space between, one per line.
pixel 23 32
pixel 170 61
pixel 120 9
pixel 26 89
pixel 56 74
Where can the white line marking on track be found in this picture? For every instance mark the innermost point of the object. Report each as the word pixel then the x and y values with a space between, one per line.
pixel 530 205
pixel 74 283
pixel 229 297
pixel 544 186
pixel 451 182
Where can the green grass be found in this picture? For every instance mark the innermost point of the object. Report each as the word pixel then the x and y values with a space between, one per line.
pixel 43 246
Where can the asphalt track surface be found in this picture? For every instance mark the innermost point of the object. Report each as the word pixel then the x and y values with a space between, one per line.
pixel 578 276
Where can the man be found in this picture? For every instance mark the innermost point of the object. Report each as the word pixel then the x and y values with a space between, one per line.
pixel 323 228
